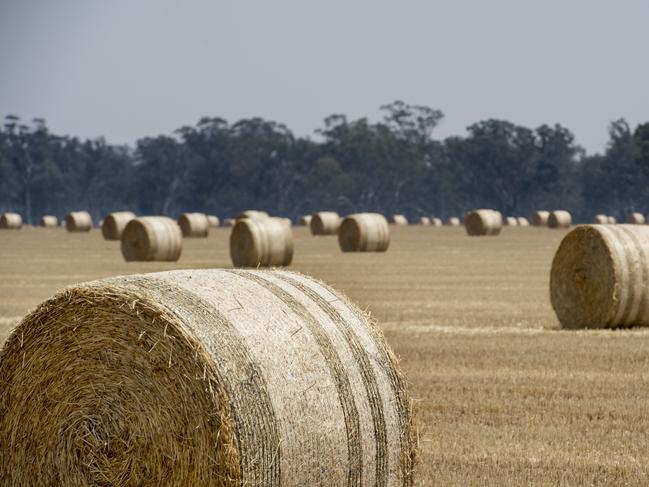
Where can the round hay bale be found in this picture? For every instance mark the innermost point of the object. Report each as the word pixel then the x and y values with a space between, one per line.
pixel 510 221
pixel 261 243
pixel 151 238
pixel 423 220
pixel 522 221
pixel 612 220
pixel 305 221
pixel 228 222
pixel 113 224
pixel 325 223
pixel 540 218
pixel 436 222
pixel 559 219
pixel 256 214
pixel 213 221
pixel 398 220
pixel 194 225
pixel 483 222
pixel 453 222
pixel 78 221
pixel 49 221
pixel 203 377
pixel 364 232
pixel 635 219
pixel 600 219
pixel 599 277
pixel 11 221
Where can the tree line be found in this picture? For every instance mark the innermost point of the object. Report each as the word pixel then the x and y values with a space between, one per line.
pixel 395 165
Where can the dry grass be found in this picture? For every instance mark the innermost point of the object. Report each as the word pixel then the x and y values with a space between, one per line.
pixel 502 397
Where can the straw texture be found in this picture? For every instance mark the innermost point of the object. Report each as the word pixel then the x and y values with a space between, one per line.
pixel 559 219
pixel 11 221
pixel 398 220
pixel 78 221
pixel 522 221
pixel 600 277
pixel 454 222
pixel 483 222
pixel 325 223
pixel 205 377
pixel 49 221
pixel 213 221
pixel 364 232
pixel 540 218
pixel 261 243
pixel 194 225
pixel 114 224
pixel 635 219
pixel 256 214
pixel 152 238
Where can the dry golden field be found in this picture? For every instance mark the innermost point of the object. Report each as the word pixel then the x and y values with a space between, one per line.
pixel 502 396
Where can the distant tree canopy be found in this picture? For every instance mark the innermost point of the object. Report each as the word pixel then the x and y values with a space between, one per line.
pixel 391 166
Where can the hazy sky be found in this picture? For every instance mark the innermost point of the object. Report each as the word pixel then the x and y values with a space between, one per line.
pixel 126 69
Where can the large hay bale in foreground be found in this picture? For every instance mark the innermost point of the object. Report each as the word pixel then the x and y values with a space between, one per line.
pixel 78 221
pixel 11 221
pixel 213 221
pixel 600 219
pixel 113 224
pixel 194 225
pixel 454 222
pixel 599 277
pixel 522 221
pixel 255 214
pixel 540 218
pixel 364 232
pixel 150 238
pixel 560 219
pixel 203 377
pixel 635 218
pixel 305 220
pixel 325 223
pixel 398 220
pixel 49 221
pixel 261 243
pixel 424 220
pixel 483 222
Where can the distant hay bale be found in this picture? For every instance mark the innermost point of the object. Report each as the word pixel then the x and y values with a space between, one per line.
pixel 540 218
pixel 398 220
pixel 612 220
pixel 78 221
pixel 49 221
pixel 194 225
pixel 152 238
pixel 600 219
pixel 213 221
pixel 11 221
pixel 559 219
pixel 261 242
pixel 325 223
pixel 305 220
pixel 522 221
pixel 483 222
pixel 364 232
pixel 203 378
pixel 114 224
pixel 454 222
pixel 228 222
pixel 256 214
pixel 436 222
pixel 510 221
pixel 635 219
pixel 424 220
pixel 599 277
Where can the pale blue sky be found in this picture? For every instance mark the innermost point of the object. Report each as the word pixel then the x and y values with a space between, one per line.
pixel 126 69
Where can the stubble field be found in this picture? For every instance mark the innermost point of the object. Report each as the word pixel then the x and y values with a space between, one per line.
pixel 502 396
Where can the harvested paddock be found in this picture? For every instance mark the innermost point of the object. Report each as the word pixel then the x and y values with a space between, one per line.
pixel 113 224
pixel 364 232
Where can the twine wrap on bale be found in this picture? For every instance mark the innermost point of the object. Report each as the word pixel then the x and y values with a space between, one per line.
pixel 398 220
pixel 559 219
pixel 203 377
pixel 510 221
pixel 261 243
pixel 364 232
pixel 49 221
pixel 600 277
pixel 612 220
pixel 255 214
pixel 194 225
pixel 483 222
pixel 454 222
pixel 78 221
pixel 213 221
pixel 325 223
pixel 424 220
pixel 635 219
pixel 600 219
pixel 522 221
pixel 150 238
pixel 540 218
pixel 11 221
pixel 113 224
pixel 305 220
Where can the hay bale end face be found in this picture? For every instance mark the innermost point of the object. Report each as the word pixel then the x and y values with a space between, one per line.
pixel 598 277
pixel 540 218
pixel 635 219
pixel 254 214
pixel 152 238
pixel 483 222
pixel 559 219
pixel 399 220
pixel 213 221
pixel 364 232
pixel 11 221
pixel 454 222
pixel 113 224
pixel 522 221
pixel 325 223
pixel 78 221
pixel 49 221
pixel 261 242
pixel 194 225
pixel 203 377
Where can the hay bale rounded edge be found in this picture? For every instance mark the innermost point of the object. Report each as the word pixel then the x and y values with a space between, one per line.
pixel 540 218
pixel 559 219
pixel 78 221
pixel 113 224
pixel 635 218
pixel 522 221
pixel 194 225
pixel 213 221
pixel 325 223
pixel 454 222
pixel 261 243
pixel 11 221
pixel 600 219
pixel 49 221
pixel 483 222
pixel 203 377
pixel 399 220
pixel 364 232
pixel 152 238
